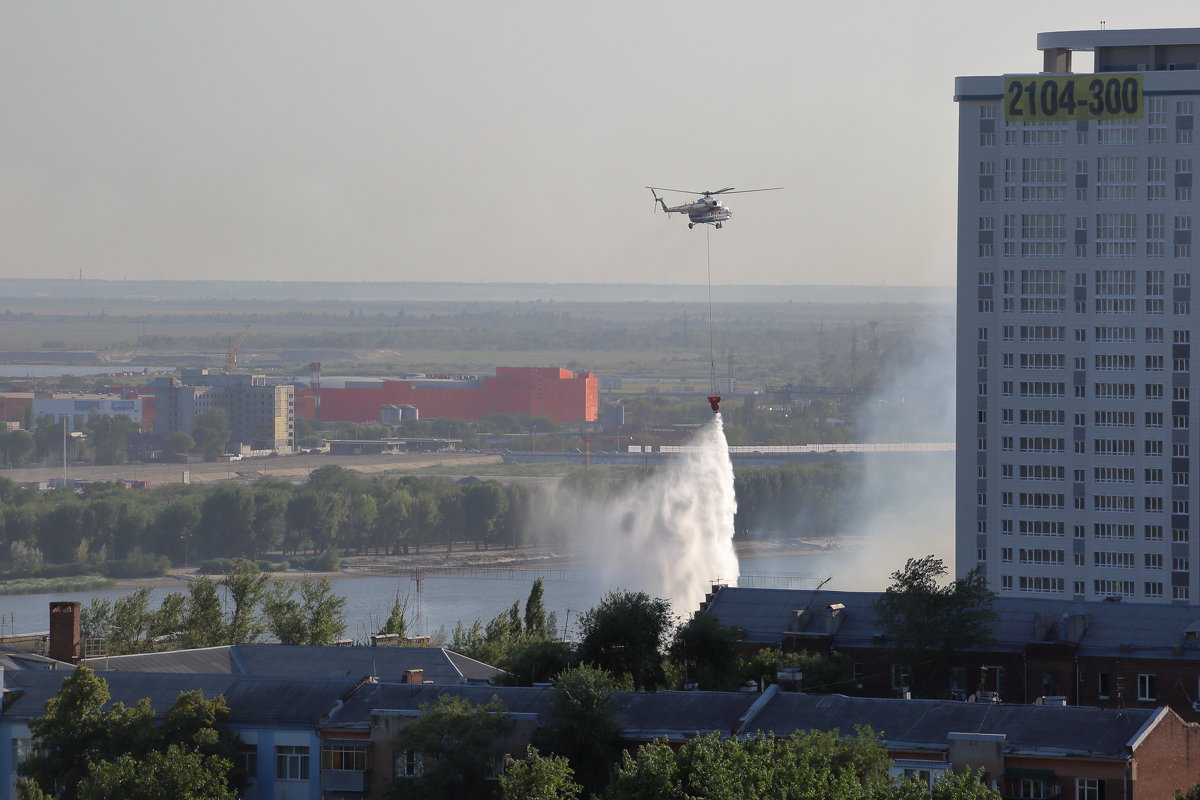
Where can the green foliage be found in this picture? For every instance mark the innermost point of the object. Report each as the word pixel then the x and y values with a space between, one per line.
pixel 397 621
pixel 313 617
pixel 515 642
pixel 457 743
pixel 246 584
pixel 18 446
pixel 85 751
pixel 176 773
pixel 203 621
pixel 794 499
pixel 709 652
pixel 535 661
pixel 625 634
pixel 178 442
pixel 211 432
pixel 581 726
pixel 805 766
pixel 108 435
pixel 928 624
pixel 535 612
pixel 538 777
pixel 823 674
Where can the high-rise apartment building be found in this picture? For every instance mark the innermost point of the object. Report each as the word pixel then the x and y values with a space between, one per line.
pixel 1075 321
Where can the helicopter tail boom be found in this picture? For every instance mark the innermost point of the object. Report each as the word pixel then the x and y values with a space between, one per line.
pixel 658 201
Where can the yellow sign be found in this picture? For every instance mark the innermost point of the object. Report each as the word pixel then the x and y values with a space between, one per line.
pixel 1065 97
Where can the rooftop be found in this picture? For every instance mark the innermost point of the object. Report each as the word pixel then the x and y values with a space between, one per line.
pixel 1099 628
pixel 276 660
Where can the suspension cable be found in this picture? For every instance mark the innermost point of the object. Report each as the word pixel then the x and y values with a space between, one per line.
pixel 712 359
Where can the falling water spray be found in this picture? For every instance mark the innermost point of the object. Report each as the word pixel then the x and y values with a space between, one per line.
pixel 671 534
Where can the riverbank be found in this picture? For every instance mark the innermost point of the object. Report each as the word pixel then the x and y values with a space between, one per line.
pixel 440 561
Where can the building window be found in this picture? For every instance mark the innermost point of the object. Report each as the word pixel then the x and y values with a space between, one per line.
pixel 246 760
pixel 1089 789
pixel 291 763
pixel 410 764
pixel 1147 689
pixel 344 757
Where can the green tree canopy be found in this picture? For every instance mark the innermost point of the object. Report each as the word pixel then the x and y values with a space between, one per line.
pixel 456 743
pixel 88 750
pixel 709 652
pixel 625 634
pixel 211 432
pixel 581 726
pixel 538 777
pixel 928 624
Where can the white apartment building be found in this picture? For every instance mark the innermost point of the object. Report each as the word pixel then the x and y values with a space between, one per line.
pixel 1075 321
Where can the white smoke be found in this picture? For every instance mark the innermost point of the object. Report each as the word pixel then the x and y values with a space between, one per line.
pixel 669 535
pixel 904 507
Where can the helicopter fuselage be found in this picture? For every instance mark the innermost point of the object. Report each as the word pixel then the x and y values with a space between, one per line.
pixel 703 211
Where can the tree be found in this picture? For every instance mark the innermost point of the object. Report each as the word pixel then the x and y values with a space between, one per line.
pixel 581 726
pixel 709 653
pixel 535 660
pixel 625 634
pixel 483 507
pixel 85 751
pixel 178 442
pixel 535 612
pixel 804 765
pixel 211 432
pixel 18 446
pixel 203 623
pixel 397 621
pixel 109 435
pixel 313 618
pixel 929 624
pixel 177 773
pixel 246 584
pixel 456 742
pixel 538 777
pixel 823 674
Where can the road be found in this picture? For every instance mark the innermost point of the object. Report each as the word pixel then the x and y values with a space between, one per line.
pixel 295 468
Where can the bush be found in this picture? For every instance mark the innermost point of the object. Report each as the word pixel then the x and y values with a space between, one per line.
pixel 26 558
pixel 138 564
pixel 215 566
pixel 328 561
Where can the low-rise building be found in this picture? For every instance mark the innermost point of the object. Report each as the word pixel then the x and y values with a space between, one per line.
pixel 78 408
pixel 1115 655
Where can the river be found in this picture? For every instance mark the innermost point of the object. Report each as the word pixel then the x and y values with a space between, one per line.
pixel 443 602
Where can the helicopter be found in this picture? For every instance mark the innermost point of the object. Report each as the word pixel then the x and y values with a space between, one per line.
pixel 705 209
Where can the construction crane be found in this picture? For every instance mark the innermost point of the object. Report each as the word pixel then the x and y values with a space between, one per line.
pixel 231 353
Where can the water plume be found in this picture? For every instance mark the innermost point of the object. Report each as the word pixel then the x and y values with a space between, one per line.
pixel 670 534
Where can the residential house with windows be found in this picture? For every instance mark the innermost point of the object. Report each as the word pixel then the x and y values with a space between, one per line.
pixel 1113 655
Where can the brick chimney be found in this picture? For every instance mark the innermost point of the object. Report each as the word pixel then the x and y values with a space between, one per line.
pixel 414 676
pixel 65 639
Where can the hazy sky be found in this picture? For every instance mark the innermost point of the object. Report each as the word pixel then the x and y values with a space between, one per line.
pixel 497 141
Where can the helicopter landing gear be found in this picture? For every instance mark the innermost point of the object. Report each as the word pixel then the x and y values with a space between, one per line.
pixel 691 225
pixel 718 226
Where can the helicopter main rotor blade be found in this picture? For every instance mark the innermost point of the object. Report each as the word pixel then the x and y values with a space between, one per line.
pixel 681 191
pixel 744 191
pixel 719 191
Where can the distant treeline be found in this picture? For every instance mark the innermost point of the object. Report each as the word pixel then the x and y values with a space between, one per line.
pixel 338 510
pixel 335 510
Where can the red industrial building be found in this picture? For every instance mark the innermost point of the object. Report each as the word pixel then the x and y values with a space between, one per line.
pixel 561 394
